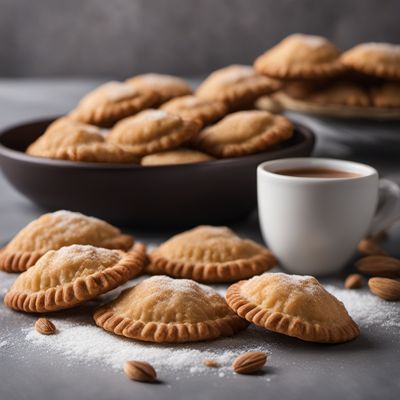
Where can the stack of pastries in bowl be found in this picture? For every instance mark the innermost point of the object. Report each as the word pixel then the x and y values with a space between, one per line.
pixel 315 75
pixel 155 119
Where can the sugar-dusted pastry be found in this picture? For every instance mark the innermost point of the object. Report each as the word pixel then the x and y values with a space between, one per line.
pixel 166 86
pixel 239 86
pixel 54 230
pixel 244 132
pixel 71 275
pixel 165 310
pixel 210 254
pixel 376 59
pixel 386 95
pixel 294 305
pixel 152 131
pixel 300 56
pixel 192 107
pixel 111 102
pixel 64 132
pixel 175 156
pixel 342 93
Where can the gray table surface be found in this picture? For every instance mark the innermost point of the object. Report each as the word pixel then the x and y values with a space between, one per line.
pixel 367 368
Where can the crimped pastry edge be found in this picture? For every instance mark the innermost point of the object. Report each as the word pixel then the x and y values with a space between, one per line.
pixel 22 260
pixel 299 71
pixel 212 272
pixel 82 289
pixel 287 324
pixel 173 332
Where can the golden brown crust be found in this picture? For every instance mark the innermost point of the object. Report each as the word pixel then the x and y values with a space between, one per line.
pixel 212 272
pixel 194 108
pixel 243 133
pixel 152 131
pixel 174 157
pixel 300 57
pixel 210 254
pixel 166 86
pixel 93 152
pixel 288 324
pixel 239 86
pixel 380 60
pixel 80 290
pixel 111 102
pixel 49 232
pixel 386 95
pixel 165 310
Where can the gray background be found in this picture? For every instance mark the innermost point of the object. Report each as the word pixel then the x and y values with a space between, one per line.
pixel 118 38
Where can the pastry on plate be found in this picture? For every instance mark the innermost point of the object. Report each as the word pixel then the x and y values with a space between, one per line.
pixel 175 156
pixel 71 275
pixel 243 133
pixel 165 310
pixel 380 60
pixel 152 131
pixel 300 56
pixel 294 305
pixel 192 107
pixel 342 93
pixel 238 86
pixel 210 254
pixel 54 230
pixel 386 95
pixel 166 86
pixel 111 102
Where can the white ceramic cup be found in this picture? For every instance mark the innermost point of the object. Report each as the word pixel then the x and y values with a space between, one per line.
pixel 313 225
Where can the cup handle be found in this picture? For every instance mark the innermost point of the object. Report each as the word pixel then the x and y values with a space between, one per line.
pixel 388 210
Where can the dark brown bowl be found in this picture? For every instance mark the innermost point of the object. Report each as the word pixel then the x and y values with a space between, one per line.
pixel 213 192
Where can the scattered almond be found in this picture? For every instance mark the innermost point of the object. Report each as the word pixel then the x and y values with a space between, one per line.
pixel 385 288
pixel 45 326
pixel 369 247
pixel 379 266
pixel 353 281
pixel 140 371
pixel 250 362
pixel 211 363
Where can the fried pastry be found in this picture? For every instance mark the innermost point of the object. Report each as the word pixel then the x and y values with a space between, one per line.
pixel 380 60
pixel 55 230
pixel 176 156
pixel 111 102
pixel 297 306
pixel 239 86
pixel 300 57
pixel 165 310
pixel 194 108
pixel 71 275
pixel 242 133
pixel 152 131
pixel 166 86
pixel 210 254
pixel 386 95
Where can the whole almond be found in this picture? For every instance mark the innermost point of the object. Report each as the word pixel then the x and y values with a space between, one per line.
pixel 353 281
pixel 369 247
pixel 379 266
pixel 45 326
pixel 140 371
pixel 385 288
pixel 210 363
pixel 250 362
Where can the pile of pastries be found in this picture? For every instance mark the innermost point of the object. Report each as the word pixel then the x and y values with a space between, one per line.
pixel 66 258
pixel 155 119
pixel 314 71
